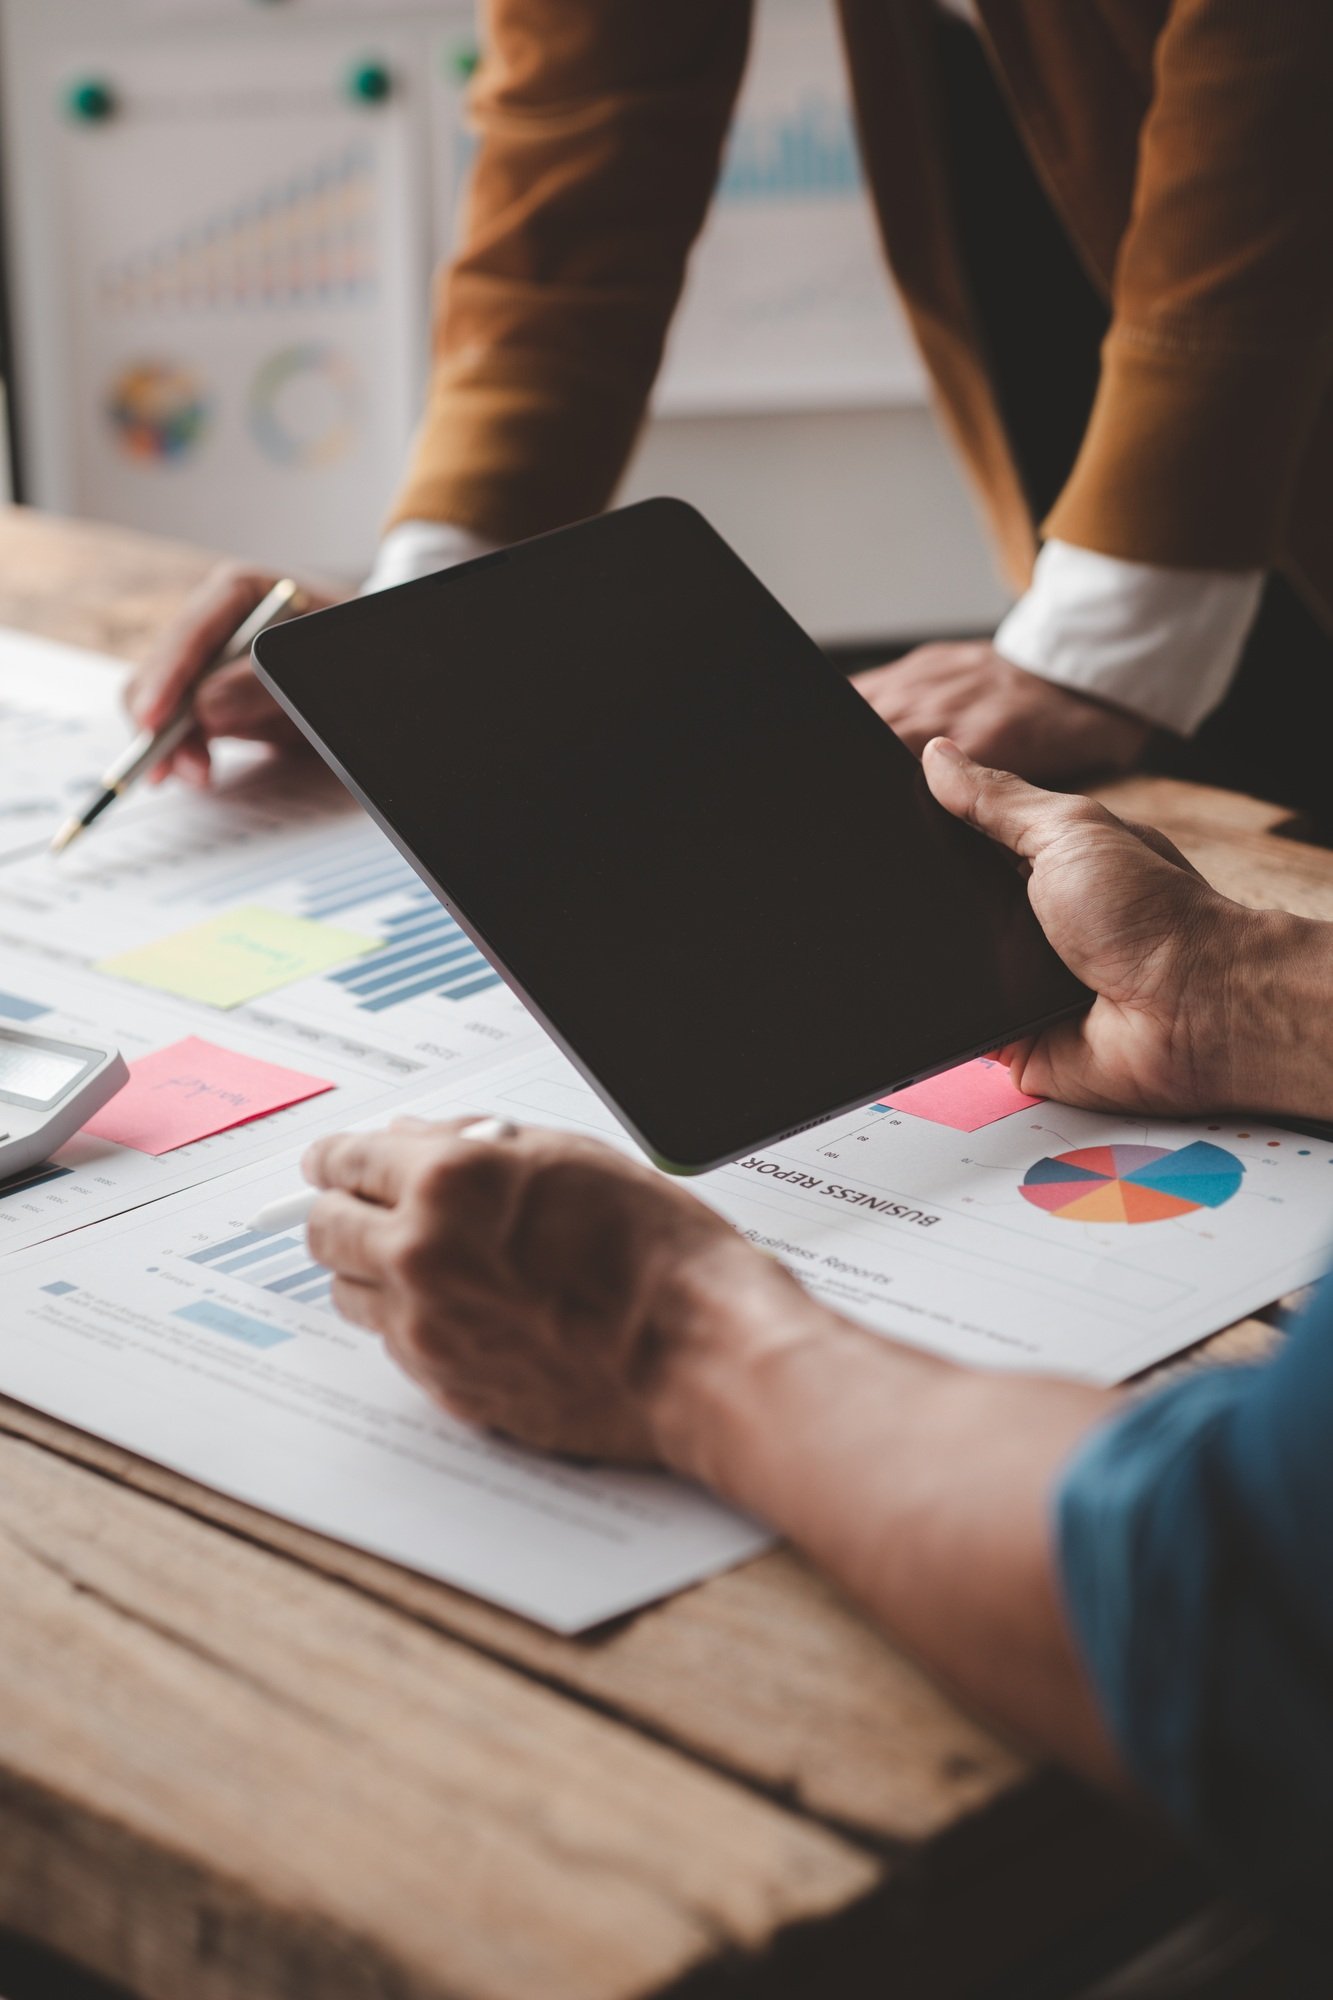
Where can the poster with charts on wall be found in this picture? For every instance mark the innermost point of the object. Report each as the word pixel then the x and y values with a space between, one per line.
pixel 244 271
pixel 788 303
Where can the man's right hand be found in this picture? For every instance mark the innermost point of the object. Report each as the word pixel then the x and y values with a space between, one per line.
pixel 1200 1004
pixel 230 702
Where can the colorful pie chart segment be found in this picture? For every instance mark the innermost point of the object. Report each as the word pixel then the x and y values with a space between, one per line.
pixel 1133 1183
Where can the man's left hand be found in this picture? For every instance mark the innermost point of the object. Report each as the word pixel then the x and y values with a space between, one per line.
pixel 1000 714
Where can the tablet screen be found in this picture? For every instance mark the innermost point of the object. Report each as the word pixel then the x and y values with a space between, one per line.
pixel 701 859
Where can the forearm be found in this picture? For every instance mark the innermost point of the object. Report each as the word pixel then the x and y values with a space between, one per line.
pixel 923 1489
pixel 600 127
pixel 1216 362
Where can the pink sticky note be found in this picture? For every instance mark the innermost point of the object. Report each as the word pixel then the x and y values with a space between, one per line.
pixel 973 1095
pixel 193 1089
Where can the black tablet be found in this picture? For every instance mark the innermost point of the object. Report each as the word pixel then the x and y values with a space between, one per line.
pixel 707 867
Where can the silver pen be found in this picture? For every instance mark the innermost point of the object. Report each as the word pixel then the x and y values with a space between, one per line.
pixel 152 746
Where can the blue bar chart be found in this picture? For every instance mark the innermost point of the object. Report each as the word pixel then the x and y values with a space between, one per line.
pixel 34 1178
pixel 424 950
pixel 277 1264
pixel 362 882
pixel 806 152
pixel 14 1008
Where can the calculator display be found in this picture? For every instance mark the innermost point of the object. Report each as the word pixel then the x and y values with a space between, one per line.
pixel 36 1075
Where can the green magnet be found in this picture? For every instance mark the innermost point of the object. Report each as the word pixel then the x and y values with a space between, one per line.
pixel 90 101
pixel 369 83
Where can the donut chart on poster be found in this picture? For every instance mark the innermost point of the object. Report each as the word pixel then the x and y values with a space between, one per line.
pixel 1133 1183
pixel 305 404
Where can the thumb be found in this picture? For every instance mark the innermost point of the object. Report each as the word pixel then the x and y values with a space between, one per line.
pixel 1017 815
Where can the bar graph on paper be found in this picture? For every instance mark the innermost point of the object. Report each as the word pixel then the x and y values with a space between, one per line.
pixel 353 877
pixel 279 1265
pixel 424 951
pixel 426 996
pixel 331 867
pixel 292 844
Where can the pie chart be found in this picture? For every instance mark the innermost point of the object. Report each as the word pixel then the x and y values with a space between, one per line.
pixel 1132 1183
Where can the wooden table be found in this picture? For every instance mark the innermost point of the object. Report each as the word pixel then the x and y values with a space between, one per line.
pixel 239 1762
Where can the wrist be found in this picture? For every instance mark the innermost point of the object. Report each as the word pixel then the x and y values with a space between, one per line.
pixel 1273 1048
pixel 788 1410
pixel 413 549
pixel 720 1324
pixel 772 1401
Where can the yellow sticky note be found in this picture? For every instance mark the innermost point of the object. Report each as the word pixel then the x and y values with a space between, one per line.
pixel 238 956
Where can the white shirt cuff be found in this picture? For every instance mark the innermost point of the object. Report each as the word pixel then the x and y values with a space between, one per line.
pixel 419 548
pixel 1162 643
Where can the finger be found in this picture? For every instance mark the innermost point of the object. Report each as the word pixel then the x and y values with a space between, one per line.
pixel 349 1236
pixel 172 765
pixel 364 1305
pixel 193 763
pixel 1015 1056
pixel 888 700
pixel 1017 815
pixel 1060 1066
pixel 375 1165
pixel 272 727
pixel 232 702
pixel 914 736
pixel 191 643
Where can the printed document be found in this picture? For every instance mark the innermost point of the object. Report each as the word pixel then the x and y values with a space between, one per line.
pixel 181 1335
pixel 962 1217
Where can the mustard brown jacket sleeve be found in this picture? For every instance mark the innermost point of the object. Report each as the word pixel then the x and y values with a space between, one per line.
pixel 1218 368
pixel 600 125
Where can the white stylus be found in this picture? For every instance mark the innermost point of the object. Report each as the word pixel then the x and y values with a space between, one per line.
pixel 291 1211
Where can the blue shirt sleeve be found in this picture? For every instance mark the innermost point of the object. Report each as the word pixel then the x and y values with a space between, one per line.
pixel 1195 1535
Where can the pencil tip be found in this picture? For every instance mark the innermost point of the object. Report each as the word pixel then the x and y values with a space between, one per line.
pixel 69 831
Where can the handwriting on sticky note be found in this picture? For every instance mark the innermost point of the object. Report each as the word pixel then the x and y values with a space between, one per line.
pixel 238 956
pixel 193 1089
pixel 973 1095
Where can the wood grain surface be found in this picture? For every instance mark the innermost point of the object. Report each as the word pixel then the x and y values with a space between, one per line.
pixel 239 1761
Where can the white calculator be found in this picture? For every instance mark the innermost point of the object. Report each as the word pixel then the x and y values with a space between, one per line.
pixel 48 1089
